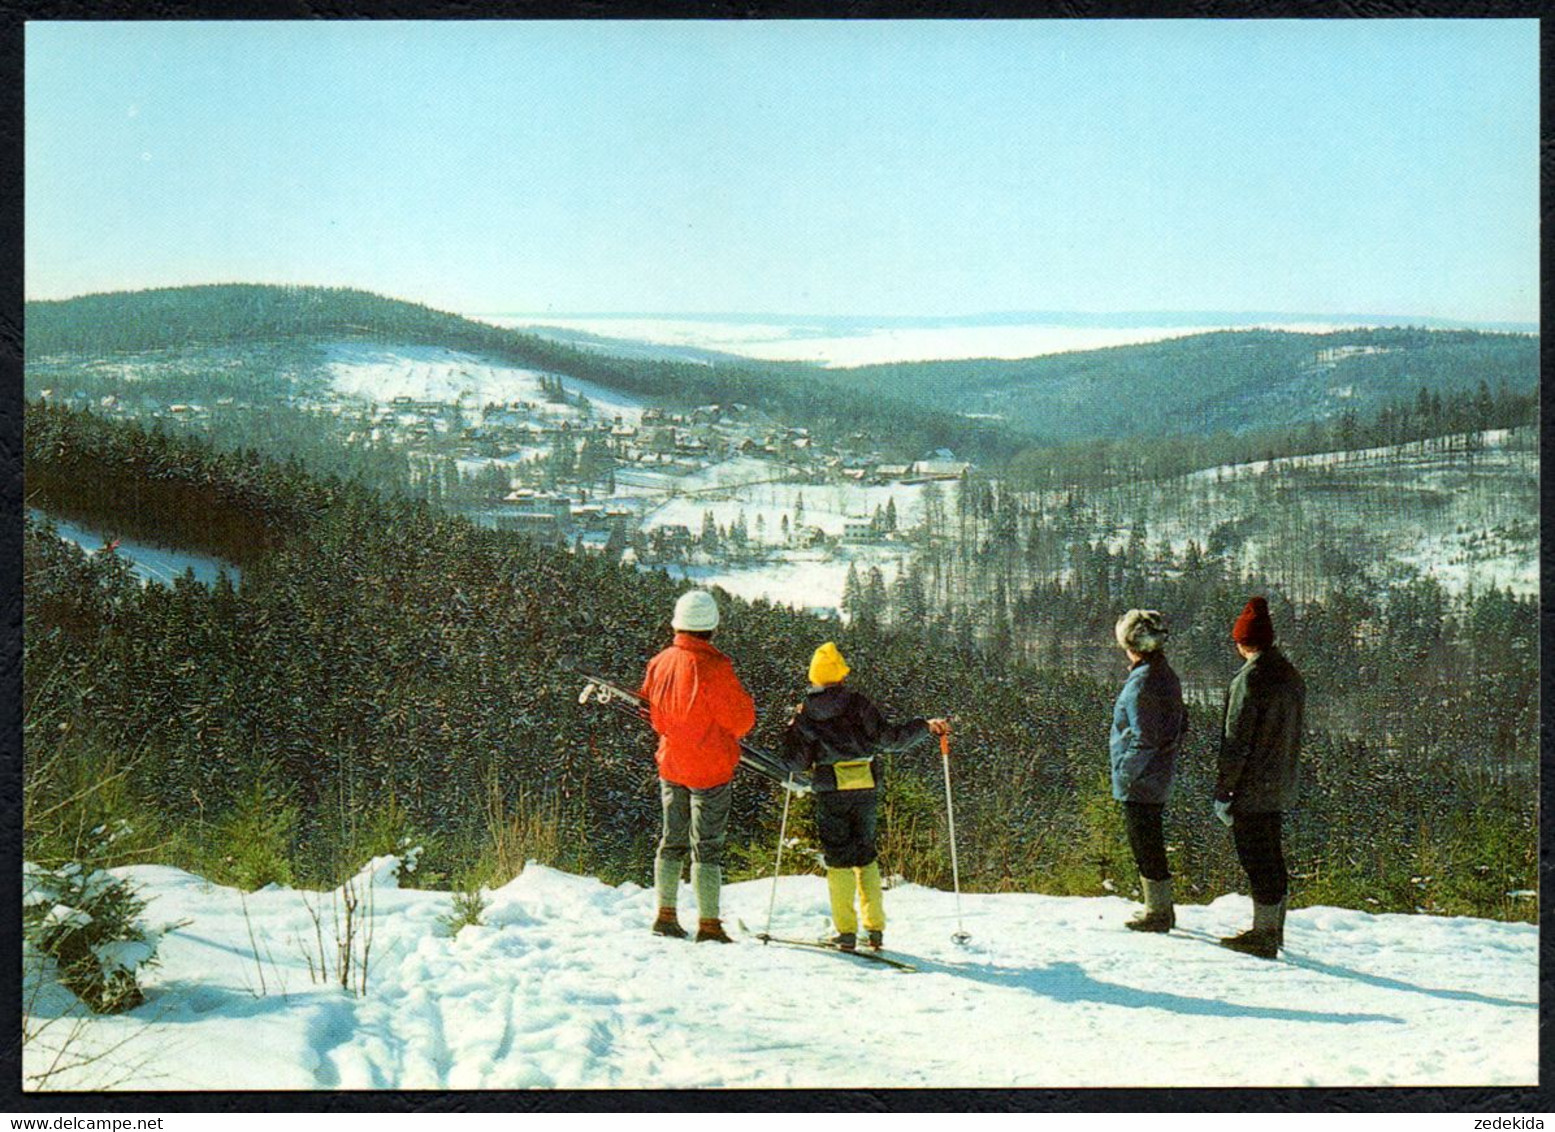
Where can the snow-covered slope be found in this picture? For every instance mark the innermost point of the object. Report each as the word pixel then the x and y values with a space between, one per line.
pixel 562 986
pixel 1462 509
pixel 434 373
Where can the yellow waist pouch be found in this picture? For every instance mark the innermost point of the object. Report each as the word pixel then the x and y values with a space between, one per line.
pixel 855 775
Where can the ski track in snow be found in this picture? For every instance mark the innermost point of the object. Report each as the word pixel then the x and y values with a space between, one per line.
pixel 562 986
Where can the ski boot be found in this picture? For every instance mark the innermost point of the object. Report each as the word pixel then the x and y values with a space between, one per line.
pixel 668 925
pixel 843 941
pixel 1158 916
pixel 1264 938
pixel 876 939
pixel 711 931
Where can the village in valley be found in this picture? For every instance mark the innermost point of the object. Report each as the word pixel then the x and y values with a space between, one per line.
pixel 721 493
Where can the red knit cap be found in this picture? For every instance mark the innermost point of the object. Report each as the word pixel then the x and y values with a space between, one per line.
pixel 1254 629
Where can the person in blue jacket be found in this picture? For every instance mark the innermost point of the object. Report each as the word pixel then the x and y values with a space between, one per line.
pixel 1148 723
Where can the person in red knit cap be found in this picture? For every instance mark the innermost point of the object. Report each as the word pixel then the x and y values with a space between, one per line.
pixel 701 711
pixel 1260 744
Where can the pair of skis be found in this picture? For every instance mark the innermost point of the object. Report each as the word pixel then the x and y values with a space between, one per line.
pixel 822 945
pixel 599 690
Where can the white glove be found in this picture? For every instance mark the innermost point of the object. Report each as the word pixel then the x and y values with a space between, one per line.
pixel 1223 812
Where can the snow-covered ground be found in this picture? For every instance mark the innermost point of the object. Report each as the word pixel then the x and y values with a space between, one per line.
pixel 1467 519
pixel 434 373
pixel 798 341
pixel 562 986
pixel 1465 515
pixel 148 563
pixel 744 484
pixel 523 454
pixel 803 579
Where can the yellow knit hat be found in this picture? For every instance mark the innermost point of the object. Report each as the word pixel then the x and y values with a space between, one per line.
pixel 827 665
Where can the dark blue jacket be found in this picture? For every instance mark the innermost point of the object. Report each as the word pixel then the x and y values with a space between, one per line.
pixel 1148 723
pixel 837 724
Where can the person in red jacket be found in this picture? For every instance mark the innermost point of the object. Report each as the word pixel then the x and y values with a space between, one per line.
pixel 701 711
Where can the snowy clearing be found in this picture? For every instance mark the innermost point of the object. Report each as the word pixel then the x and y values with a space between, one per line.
pixel 434 373
pixel 801 579
pixel 827 506
pixel 562 986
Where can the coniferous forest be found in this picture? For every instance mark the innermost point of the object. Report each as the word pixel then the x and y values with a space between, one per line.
pixel 388 674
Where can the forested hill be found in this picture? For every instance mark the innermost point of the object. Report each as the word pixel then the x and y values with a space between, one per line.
pixel 1227 381
pixel 167 318
pixel 184 317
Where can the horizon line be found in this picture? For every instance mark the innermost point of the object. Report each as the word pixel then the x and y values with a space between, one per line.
pixel 1187 318
pixel 1198 318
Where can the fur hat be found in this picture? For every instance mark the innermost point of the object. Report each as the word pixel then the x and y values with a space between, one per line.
pixel 1141 630
pixel 696 611
pixel 1254 629
pixel 827 666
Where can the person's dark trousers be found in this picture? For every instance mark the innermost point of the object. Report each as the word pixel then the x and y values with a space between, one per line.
pixel 845 823
pixel 1257 838
pixel 1146 839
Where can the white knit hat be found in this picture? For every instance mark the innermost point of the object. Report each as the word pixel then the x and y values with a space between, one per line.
pixel 696 611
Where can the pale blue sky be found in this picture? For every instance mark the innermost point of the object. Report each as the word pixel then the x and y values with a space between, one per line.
pixel 903 168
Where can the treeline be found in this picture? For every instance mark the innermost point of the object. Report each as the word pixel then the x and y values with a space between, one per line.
pixel 1221 397
pixel 182 317
pixel 1373 653
pixel 387 674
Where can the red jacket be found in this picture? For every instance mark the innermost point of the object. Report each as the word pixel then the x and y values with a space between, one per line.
pixel 700 710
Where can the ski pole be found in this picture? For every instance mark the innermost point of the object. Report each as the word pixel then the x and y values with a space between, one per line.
pixel 960 936
pixel 778 868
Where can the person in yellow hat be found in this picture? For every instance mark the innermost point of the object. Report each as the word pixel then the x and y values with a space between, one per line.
pixel 835 734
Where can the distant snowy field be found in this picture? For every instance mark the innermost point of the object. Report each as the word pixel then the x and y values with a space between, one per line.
pixel 797 342
pixel 746 485
pixel 562 986
pixel 802 579
pixel 805 579
pixel 434 373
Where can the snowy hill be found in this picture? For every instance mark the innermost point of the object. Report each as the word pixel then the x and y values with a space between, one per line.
pixel 562 986
pixel 373 371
